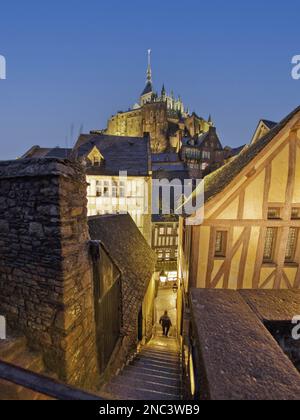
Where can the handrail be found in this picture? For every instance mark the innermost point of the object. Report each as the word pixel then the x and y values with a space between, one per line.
pixel 42 384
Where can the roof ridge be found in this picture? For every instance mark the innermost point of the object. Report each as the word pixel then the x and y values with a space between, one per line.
pixel 218 180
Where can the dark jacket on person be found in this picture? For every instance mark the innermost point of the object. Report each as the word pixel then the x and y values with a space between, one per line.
pixel 165 321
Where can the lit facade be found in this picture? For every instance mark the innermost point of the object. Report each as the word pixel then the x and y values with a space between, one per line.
pixel 114 195
pixel 250 235
pixel 163 116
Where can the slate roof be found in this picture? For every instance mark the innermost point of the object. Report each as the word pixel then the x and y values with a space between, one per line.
pixel 131 154
pixel 198 141
pixel 148 89
pixel 231 152
pixel 46 152
pixel 126 246
pixel 218 180
pixel 269 124
pixel 165 157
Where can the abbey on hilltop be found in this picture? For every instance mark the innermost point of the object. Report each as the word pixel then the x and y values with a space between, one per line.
pixel 164 117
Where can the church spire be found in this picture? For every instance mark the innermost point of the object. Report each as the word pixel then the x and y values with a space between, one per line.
pixel 149 71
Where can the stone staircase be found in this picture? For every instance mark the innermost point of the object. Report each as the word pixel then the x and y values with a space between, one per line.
pixel 14 350
pixel 154 374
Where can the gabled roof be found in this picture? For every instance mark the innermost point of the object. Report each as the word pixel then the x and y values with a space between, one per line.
pixel 231 152
pixel 262 128
pixel 126 246
pixel 218 180
pixel 131 154
pixel 269 124
pixel 199 141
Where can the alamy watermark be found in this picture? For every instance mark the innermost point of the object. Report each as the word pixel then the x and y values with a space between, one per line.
pixel 296 329
pixel 163 197
pixel 296 68
pixel 2 328
pixel 2 68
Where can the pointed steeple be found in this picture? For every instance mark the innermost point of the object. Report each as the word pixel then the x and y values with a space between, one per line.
pixel 149 70
pixel 148 88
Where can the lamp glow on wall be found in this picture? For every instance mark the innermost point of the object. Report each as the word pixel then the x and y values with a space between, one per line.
pixel 175 288
pixel 163 277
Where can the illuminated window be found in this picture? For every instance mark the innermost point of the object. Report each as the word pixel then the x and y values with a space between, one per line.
pixel 270 244
pixel 291 245
pixel 274 213
pixel 106 188
pixel 296 213
pixel 96 161
pixel 99 188
pixel 221 244
pixel 122 189
pixel 206 155
pixel 114 189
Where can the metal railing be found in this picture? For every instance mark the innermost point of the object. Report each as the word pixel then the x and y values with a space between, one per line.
pixel 42 384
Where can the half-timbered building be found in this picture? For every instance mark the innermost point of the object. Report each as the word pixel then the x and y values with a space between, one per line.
pixel 249 237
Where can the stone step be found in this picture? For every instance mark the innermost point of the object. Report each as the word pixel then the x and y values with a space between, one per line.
pixel 157 358
pixel 164 354
pixel 12 348
pixel 167 348
pixel 126 392
pixel 160 379
pixel 154 372
pixel 144 383
pixel 156 366
pixel 157 362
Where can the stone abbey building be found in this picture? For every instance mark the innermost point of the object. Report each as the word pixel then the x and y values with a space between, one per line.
pixel 162 116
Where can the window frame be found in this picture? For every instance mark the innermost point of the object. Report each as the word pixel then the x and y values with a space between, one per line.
pixel 275 208
pixel 291 259
pixel 269 259
pixel 222 253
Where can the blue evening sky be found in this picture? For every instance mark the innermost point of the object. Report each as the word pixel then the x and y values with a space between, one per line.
pixel 73 63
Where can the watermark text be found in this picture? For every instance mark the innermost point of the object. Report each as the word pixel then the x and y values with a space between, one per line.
pixel 2 328
pixel 296 68
pixel 2 68
pixel 296 329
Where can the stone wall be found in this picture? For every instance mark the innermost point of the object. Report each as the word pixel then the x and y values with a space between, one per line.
pixel 234 355
pixel 46 286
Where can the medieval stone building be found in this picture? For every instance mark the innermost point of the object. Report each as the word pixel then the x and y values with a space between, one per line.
pixel 162 116
pixel 118 173
pixel 75 292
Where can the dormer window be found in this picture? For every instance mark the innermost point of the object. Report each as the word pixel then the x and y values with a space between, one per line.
pixel 96 161
pixel 95 158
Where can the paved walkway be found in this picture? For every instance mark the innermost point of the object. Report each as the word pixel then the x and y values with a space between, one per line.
pixel 166 300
